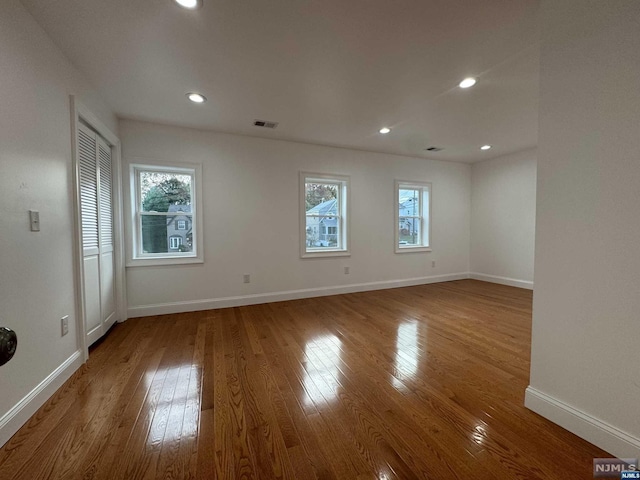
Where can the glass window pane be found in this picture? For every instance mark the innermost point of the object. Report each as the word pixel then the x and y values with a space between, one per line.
pixel 409 231
pixel 164 191
pixel 321 198
pixel 160 235
pixel 322 232
pixel 322 209
pixel 409 202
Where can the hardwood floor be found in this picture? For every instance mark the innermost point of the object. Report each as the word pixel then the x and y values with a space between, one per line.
pixel 417 382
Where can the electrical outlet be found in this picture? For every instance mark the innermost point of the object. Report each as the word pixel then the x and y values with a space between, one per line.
pixel 64 324
pixel 433 264
pixel 346 270
pixel 246 278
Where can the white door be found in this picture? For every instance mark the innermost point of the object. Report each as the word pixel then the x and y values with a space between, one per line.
pixel 96 212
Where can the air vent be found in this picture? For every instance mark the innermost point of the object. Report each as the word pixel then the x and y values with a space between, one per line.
pixel 433 149
pixel 265 124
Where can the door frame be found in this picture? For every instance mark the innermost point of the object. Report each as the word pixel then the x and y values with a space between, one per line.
pixel 80 112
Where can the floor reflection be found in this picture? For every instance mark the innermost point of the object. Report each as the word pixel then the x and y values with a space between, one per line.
pixel 479 434
pixel 407 355
pixel 173 403
pixel 321 372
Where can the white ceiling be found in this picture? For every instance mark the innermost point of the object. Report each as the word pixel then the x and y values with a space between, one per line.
pixel 330 72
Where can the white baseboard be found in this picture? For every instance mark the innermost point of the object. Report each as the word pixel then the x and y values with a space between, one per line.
pixel 15 418
pixel 603 435
pixel 513 282
pixel 241 300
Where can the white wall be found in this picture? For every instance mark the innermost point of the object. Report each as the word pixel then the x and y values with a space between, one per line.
pixel 503 218
pixel 36 269
pixel 251 220
pixel 586 311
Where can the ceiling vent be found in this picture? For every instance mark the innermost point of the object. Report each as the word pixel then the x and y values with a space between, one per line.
pixel 265 124
pixel 433 149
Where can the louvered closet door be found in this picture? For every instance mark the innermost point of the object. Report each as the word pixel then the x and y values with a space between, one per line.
pixel 105 230
pixel 94 157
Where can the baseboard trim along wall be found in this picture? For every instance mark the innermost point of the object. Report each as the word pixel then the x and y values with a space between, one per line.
pixel 21 412
pixel 242 300
pixel 513 282
pixel 601 434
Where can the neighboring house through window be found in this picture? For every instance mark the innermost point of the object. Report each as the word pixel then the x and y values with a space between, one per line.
pixel 177 228
pixel 324 220
pixel 412 216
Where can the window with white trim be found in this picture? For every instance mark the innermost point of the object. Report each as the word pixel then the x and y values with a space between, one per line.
pixel 323 215
pixel 412 216
pixel 165 214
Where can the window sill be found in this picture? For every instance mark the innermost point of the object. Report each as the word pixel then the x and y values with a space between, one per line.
pixel 412 249
pixel 156 261
pixel 326 253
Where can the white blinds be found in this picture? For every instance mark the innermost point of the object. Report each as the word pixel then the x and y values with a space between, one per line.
pixel 88 188
pixel 95 190
pixel 106 215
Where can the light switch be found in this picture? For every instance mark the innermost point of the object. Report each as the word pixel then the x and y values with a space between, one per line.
pixel 34 217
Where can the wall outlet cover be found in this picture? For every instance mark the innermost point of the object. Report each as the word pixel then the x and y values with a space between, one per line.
pixel 64 325
pixel 34 220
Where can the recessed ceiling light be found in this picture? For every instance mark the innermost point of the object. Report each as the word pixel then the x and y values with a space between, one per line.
pixel 468 82
pixel 384 130
pixel 196 97
pixel 191 4
pixel 485 147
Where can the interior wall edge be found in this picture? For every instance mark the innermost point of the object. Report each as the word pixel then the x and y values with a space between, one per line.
pixel 512 282
pixel 600 433
pixel 243 300
pixel 22 411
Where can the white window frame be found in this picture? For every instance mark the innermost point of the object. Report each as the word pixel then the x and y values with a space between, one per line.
pixel 136 257
pixel 179 223
pixel 342 181
pixel 426 195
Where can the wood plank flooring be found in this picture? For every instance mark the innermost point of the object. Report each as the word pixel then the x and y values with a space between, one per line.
pixel 417 382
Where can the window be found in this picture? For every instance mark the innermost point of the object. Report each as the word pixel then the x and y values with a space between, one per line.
pixel 164 202
pixel 175 242
pixel 412 216
pixel 324 220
